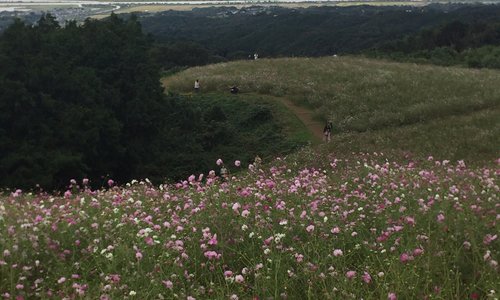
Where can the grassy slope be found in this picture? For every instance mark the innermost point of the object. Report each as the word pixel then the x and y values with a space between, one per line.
pixel 448 112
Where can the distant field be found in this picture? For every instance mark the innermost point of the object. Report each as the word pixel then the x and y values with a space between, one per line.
pixel 381 105
pixel 188 7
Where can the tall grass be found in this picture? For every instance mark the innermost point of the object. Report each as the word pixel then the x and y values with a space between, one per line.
pixel 377 105
pixel 357 94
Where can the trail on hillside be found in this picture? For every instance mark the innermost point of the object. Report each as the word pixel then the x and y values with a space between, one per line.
pixel 306 116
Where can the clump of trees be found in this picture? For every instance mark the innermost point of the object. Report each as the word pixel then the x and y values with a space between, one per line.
pixel 78 101
pixel 86 101
pixel 474 44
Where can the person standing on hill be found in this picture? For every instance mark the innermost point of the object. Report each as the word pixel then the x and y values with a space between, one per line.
pixel 327 132
pixel 197 86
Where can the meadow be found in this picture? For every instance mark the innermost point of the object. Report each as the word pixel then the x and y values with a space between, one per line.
pixel 375 105
pixel 309 226
pixel 417 221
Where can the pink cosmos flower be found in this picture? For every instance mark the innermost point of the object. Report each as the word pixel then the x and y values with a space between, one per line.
pixel 61 280
pixel 366 277
pixel 211 255
pixel 110 182
pixel 404 258
pixel 138 255
pixel 85 181
pixel 237 163
pixel 392 296
pixel 228 273
pixel 213 240
pixel 236 206
pixel 310 228
pixel 418 251
pixel 239 279
pixel 335 230
pixel 440 218
pixel 168 284
pixel 489 238
pixel 337 252
pixel 19 286
pixel 350 274
pixel 219 162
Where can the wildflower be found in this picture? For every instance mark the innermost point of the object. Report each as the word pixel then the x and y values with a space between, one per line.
pixel 418 251
pixel 440 218
pixel 350 274
pixel 19 286
pixel 404 258
pixel 236 206
pixel 110 182
pixel 310 228
pixel 219 162
pixel 61 280
pixel 237 163
pixel 337 252
pixel 366 277
pixel 138 255
pixel 467 245
pixel 233 297
pixel 168 284
pixel 213 240
pixel 392 296
pixel 239 279
pixel 191 178
pixel 228 273
pixel 132 293
pixel 489 238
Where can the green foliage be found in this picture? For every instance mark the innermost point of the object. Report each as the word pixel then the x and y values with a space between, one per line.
pixel 475 44
pixel 85 101
pixel 317 31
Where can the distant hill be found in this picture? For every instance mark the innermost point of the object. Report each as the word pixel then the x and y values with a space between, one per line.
pixel 376 105
pixel 316 31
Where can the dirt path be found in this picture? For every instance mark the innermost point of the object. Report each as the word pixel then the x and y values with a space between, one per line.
pixel 306 116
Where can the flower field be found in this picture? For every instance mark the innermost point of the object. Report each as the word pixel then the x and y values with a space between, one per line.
pixel 309 226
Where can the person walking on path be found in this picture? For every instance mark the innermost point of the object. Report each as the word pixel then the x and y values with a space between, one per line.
pixel 197 86
pixel 327 132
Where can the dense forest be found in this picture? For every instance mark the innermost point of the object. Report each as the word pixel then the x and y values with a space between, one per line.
pixel 216 34
pixel 86 101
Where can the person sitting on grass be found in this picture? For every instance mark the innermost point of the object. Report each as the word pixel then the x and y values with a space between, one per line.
pixel 234 90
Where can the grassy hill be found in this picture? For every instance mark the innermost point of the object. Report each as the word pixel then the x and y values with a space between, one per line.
pixel 321 223
pixel 375 105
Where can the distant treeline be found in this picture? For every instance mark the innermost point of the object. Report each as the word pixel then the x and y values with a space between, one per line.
pixel 445 34
pixel 86 101
pixel 475 44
